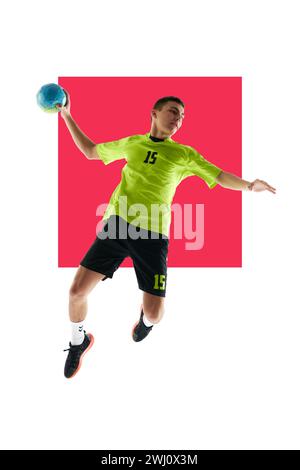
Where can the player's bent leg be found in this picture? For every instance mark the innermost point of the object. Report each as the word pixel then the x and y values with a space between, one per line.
pixel 84 282
pixel 153 307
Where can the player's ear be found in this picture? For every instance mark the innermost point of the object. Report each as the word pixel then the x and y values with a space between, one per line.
pixel 153 113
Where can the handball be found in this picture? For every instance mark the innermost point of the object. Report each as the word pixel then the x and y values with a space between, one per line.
pixel 49 96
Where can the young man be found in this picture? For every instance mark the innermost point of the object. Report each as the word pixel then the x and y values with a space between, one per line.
pixel 155 166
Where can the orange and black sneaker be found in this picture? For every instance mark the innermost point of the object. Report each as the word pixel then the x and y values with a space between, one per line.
pixel 140 330
pixel 76 353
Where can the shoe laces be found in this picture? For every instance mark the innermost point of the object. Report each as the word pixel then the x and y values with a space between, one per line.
pixel 74 347
pixel 74 354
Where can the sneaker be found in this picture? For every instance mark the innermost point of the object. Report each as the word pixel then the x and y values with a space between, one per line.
pixel 140 330
pixel 76 353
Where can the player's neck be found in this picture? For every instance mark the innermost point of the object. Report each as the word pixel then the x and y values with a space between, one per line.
pixel 158 134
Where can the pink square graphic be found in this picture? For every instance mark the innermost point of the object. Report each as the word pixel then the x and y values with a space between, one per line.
pixel 109 108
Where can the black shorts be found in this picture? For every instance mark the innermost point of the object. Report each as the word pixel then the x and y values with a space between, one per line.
pixel 148 252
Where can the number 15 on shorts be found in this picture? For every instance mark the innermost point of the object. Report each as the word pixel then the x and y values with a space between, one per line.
pixel 159 281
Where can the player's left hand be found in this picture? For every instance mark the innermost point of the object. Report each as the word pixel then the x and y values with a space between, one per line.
pixel 259 185
pixel 66 109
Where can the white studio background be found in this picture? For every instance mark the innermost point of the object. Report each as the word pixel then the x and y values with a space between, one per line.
pixel 222 369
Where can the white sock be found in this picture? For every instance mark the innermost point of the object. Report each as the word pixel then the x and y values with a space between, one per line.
pixel 146 321
pixel 77 333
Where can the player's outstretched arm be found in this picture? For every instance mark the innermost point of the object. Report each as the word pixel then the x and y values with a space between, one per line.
pixel 85 145
pixel 230 181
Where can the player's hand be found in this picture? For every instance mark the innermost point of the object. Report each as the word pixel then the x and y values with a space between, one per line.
pixel 66 109
pixel 259 185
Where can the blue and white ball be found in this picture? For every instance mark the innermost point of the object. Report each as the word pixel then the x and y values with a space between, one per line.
pixel 49 96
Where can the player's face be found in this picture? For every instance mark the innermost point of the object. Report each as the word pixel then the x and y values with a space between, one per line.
pixel 169 119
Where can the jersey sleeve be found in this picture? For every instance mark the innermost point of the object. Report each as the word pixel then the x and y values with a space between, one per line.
pixel 110 151
pixel 197 165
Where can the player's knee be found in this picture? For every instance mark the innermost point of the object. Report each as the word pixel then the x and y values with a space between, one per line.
pixel 77 292
pixel 154 313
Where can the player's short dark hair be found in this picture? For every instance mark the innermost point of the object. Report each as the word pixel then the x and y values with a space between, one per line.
pixel 162 101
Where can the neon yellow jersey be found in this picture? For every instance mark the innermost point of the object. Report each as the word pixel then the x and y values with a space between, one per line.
pixel 150 178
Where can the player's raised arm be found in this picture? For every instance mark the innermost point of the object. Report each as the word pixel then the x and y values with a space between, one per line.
pixel 85 145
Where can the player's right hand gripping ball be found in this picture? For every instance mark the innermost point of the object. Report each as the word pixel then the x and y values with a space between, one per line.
pixel 49 96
